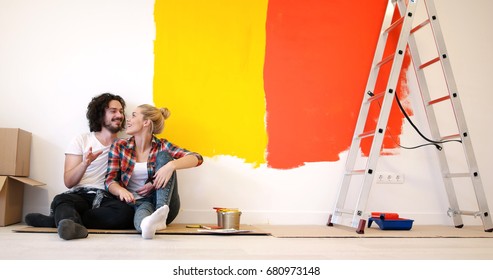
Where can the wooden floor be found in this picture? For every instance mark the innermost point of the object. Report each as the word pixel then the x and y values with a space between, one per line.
pixel 186 249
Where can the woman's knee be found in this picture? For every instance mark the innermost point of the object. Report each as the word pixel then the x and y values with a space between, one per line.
pixel 162 158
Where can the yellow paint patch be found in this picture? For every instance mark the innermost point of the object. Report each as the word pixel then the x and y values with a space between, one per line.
pixel 209 58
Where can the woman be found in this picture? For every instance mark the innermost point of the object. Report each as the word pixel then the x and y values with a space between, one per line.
pixel 141 170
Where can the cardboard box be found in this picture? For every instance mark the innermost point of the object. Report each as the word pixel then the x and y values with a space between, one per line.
pixel 12 198
pixel 15 152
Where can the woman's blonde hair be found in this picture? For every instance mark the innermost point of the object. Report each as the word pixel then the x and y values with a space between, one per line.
pixel 157 116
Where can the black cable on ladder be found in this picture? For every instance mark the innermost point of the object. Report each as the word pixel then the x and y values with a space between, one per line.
pixel 432 142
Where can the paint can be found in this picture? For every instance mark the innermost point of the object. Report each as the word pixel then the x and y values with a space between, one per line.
pixel 231 219
pixel 228 218
pixel 219 218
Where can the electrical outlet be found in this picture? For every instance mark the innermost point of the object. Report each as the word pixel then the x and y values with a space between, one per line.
pixel 390 178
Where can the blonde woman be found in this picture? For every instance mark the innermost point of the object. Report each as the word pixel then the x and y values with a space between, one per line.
pixel 141 170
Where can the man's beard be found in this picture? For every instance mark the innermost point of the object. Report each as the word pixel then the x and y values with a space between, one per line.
pixel 111 128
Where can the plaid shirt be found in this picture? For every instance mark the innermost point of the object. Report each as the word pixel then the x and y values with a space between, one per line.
pixel 121 159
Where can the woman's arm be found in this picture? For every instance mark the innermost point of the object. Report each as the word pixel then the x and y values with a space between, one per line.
pixel 183 159
pixel 162 176
pixel 187 161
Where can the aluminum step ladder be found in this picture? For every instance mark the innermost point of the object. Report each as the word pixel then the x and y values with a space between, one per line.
pixel 355 216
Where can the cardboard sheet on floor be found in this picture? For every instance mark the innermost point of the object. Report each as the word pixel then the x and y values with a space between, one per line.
pixel 309 231
pixel 420 231
pixel 171 229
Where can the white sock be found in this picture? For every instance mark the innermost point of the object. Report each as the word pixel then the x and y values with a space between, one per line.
pixel 156 221
pixel 162 214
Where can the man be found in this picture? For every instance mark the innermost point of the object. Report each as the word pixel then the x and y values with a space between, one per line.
pixel 86 204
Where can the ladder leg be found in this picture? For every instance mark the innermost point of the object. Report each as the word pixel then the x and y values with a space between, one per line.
pixel 464 134
pixel 433 125
pixel 388 98
pixel 378 134
pixel 461 121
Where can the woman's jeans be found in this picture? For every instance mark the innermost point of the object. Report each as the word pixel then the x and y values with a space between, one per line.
pixel 164 196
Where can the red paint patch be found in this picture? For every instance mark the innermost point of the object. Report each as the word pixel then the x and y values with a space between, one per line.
pixel 317 61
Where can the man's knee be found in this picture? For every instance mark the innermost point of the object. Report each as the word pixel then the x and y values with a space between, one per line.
pixel 110 215
pixel 121 215
pixel 62 198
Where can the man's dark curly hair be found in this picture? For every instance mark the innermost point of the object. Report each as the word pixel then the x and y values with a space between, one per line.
pixel 97 108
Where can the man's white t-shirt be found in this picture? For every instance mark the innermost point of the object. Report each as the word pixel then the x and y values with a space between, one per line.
pixel 96 172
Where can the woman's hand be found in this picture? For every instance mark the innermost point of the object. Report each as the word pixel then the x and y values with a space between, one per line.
pixel 146 189
pixel 163 175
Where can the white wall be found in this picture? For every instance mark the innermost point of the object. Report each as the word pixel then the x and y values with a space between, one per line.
pixel 57 54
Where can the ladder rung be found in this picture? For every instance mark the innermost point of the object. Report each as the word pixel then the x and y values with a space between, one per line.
pixel 356 172
pixel 453 136
pixel 470 213
pixel 451 212
pixel 376 96
pixel 367 134
pixel 394 25
pixel 429 62
pixel 345 211
pixel 457 175
pixel 385 60
pixel 447 97
pixel 418 27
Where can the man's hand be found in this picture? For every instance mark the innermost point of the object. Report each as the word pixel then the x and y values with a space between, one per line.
pixel 126 196
pixel 90 156
pixel 76 166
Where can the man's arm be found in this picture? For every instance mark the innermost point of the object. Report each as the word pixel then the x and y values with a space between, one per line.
pixel 75 167
pixel 123 194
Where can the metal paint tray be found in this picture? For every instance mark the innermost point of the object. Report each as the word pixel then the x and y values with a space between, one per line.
pixel 396 224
